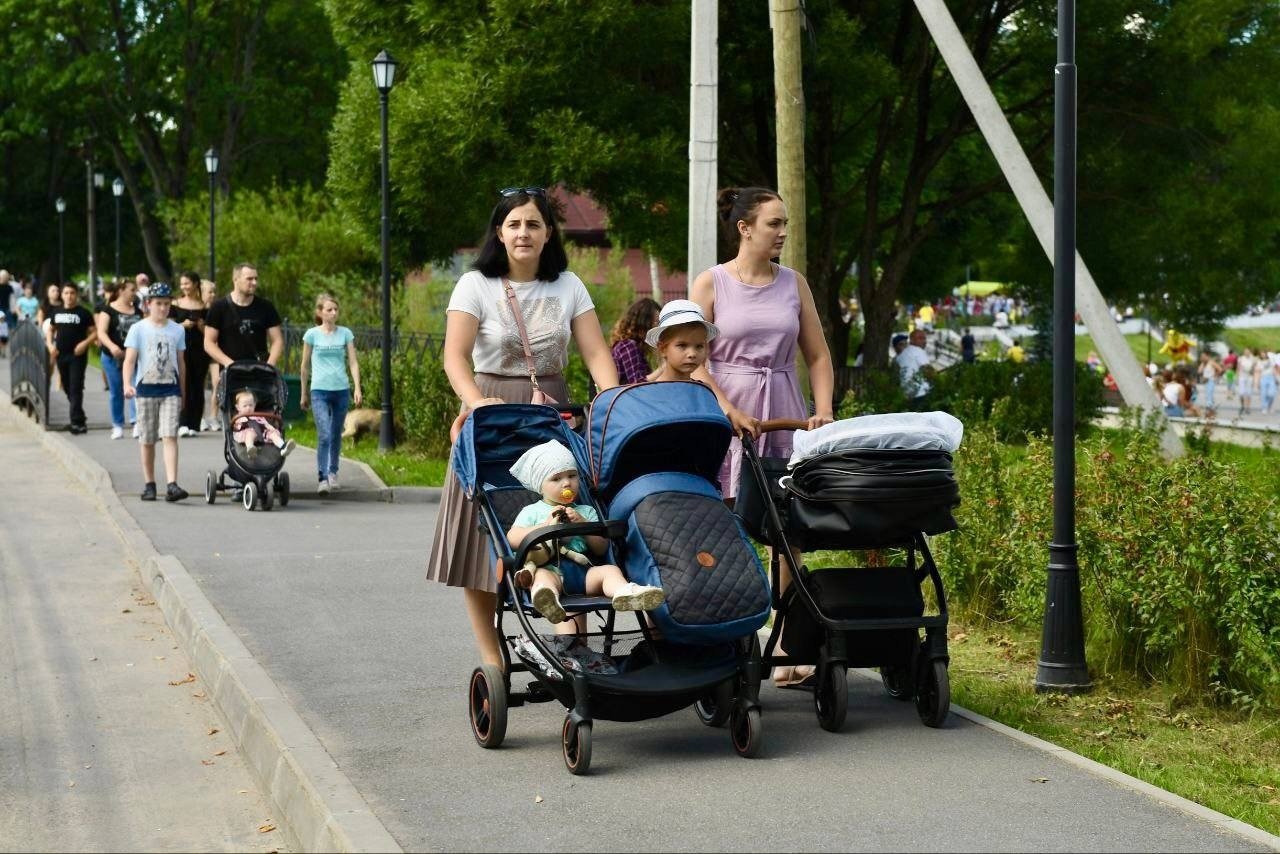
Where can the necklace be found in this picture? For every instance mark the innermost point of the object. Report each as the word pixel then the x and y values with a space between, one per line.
pixel 738 273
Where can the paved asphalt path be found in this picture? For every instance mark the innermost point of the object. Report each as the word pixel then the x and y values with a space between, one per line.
pixel 330 598
pixel 99 749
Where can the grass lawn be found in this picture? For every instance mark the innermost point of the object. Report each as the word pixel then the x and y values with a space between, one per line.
pixel 1227 760
pixel 401 467
pixel 1266 338
pixel 1137 343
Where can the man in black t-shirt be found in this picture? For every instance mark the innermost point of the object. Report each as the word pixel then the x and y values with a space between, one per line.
pixel 242 325
pixel 73 332
pixel 968 347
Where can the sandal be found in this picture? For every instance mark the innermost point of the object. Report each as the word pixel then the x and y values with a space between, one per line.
pixel 800 677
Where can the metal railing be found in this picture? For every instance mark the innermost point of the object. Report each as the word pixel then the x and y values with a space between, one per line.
pixel 367 338
pixel 29 370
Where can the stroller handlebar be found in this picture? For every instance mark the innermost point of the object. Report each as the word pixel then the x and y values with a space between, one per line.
pixel 610 528
pixel 775 424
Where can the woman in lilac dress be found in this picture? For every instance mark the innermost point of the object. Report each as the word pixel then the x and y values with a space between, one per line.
pixel 764 311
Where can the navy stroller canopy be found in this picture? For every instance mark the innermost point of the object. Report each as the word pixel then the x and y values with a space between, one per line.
pixel 493 438
pixel 655 427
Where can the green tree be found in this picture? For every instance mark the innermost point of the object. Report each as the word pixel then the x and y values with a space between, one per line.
pixel 147 86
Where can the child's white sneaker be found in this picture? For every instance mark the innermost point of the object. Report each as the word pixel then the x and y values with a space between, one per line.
pixel 638 597
pixel 117 432
pixel 547 601
pixel 288 447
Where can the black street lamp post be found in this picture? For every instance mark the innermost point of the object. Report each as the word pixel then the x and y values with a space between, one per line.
pixel 1062 666
pixel 117 190
pixel 211 166
pixel 384 75
pixel 61 206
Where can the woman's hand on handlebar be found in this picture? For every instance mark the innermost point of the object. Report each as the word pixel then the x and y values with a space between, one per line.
pixel 816 421
pixel 742 422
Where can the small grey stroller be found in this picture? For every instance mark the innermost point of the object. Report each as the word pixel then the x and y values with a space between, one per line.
pixel 258 479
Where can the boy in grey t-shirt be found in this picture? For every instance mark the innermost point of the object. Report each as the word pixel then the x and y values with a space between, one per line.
pixel 153 357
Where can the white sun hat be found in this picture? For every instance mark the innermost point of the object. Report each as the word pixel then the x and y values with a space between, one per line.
pixel 677 313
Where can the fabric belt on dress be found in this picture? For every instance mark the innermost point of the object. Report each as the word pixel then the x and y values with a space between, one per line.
pixel 763 371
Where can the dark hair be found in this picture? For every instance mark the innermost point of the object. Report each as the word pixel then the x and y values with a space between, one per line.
pixel 638 319
pixel 192 277
pixel 492 260
pixel 740 203
pixel 110 289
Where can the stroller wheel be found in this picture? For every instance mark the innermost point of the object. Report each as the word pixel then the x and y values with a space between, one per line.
pixel 714 708
pixel 897 682
pixel 746 730
pixel 250 495
pixel 268 495
pixel 210 487
pixel 933 693
pixel 487 705
pixel 831 697
pixel 575 743
pixel 282 487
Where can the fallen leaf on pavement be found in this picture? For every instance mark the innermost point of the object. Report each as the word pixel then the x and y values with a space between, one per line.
pixel 242 791
pixel 199 694
pixel 191 677
pixel 1039 779
pixel 158 657
pixel 221 753
pixel 266 828
pixel 213 730
pixel 206 762
pixel 93 658
pixel 537 799
pixel 126 610
pixel 71 784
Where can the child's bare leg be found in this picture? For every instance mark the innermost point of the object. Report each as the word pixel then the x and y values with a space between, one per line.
pixel 546 598
pixel 626 595
pixel 170 459
pixel 148 463
pixel 604 580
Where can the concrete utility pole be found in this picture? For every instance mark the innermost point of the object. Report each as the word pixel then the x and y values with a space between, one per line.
pixel 1035 203
pixel 786 16
pixel 703 141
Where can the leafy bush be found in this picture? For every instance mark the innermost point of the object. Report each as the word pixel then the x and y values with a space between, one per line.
pixel 1016 398
pixel 425 404
pixel 1179 560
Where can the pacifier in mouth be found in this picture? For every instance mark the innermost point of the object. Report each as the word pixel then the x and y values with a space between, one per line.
pixel 566 494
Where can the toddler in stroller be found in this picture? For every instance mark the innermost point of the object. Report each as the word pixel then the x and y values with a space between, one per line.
pixel 253 430
pixel 550 470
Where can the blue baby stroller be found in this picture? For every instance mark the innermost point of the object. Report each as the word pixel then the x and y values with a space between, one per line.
pixel 667 526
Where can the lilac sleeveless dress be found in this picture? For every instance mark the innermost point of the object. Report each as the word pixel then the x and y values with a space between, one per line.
pixel 753 358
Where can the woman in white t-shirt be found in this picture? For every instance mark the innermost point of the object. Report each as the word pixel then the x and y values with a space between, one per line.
pixel 485 360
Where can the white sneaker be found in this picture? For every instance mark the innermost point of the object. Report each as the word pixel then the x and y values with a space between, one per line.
pixel 547 601
pixel 333 481
pixel 638 597
pixel 137 431
pixel 323 487
pixel 117 432
pixel 204 425
pixel 287 448
pixel 185 431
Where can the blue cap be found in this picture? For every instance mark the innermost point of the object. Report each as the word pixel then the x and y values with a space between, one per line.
pixel 160 289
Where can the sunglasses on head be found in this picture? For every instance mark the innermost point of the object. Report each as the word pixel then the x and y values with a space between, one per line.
pixel 508 192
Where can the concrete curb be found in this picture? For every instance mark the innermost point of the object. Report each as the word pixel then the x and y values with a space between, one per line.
pixel 386 494
pixel 1224 823
pixel 315 802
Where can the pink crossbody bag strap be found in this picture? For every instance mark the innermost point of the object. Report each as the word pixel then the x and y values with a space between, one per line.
pixel 538 395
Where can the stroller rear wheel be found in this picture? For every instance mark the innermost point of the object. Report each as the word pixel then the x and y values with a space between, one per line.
pixel 933 692
pixel 282 487
pixel 831 697
pixel 268 496
pixel 575 743
pixel 210 487
pixel 714 708
pixel 487 705
pixel 746 730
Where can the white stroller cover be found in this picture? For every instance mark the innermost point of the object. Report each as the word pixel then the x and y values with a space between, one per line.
pixel 902 431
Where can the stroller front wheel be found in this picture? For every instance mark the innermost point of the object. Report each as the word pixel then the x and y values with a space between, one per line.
pixel 933 693
pixel 487 705
pixel 575 743
pixel 250 495
pixel 746 731
pixel 714 708
pixel 831 697
pixel 897 682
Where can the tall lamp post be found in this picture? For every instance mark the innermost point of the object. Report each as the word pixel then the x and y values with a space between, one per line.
pixel 61 206
pixel 117 190
pixel 1062 666
pixel 384 75
pixel 211 166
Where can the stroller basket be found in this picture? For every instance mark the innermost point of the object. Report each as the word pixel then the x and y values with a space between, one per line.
pixel 856 498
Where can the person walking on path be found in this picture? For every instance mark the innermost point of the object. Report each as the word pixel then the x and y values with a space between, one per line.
pixel 1245 379
pixel 28 303
pixel 153 356
pixel 626 340
pixel 521 267
pixel 212 420
pixel 328 351
pixel 762 311
pixel 1268 382
pixel 914 367
pixel 188 311
pixel 114 320
pixel 1210 370
pixel 73 333
pixel 243 325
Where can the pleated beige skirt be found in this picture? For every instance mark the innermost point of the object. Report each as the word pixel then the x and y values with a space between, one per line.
pixel 459 551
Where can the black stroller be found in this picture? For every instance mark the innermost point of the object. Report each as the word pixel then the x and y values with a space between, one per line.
pixel 667 526
pixel 257 478
pixel 882 500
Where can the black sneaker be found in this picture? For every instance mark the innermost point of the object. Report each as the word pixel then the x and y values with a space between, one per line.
pixel 149 492
pixel 175 493
pixel 77 429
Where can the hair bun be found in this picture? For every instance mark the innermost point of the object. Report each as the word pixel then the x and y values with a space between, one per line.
pixel 725 200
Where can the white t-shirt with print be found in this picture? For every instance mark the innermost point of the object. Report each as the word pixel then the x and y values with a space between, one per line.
pixel 548 308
